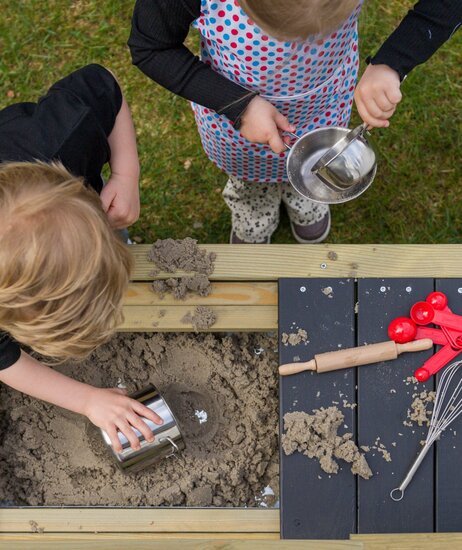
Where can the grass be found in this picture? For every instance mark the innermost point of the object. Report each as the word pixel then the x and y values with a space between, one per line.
pixel 414 199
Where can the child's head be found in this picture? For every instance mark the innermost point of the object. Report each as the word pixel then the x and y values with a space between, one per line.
pixel 63 270
pixel 298 19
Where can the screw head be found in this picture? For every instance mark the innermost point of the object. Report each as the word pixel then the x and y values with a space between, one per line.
pixel 323 265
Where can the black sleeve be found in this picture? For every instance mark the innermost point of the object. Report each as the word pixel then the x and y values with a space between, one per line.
pixel 424 29
pixel 159 29
pixel 95 87
pixel 9 351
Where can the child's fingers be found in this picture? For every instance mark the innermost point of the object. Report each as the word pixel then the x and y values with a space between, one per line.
pixel 113 436
pixel 142 410
pixel 128 432
pixel 368 117
pixel 141 426
pixel 276 143
pixel 107 196
pixel 383 102
pixel 394 95
pixel 283 124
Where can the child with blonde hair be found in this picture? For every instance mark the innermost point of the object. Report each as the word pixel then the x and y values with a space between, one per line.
pixel 63 268
pixel 267 67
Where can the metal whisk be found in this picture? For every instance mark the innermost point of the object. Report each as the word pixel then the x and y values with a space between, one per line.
pixel 447 407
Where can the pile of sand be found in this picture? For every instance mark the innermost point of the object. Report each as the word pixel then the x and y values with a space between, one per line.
pixel 225 398
pixel 170 255
pixel 316 436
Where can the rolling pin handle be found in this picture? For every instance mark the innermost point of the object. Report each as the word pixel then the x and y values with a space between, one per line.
pixel 294 368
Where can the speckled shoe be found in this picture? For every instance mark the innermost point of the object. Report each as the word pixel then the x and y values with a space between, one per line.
pixel 314 233
pixel 234 239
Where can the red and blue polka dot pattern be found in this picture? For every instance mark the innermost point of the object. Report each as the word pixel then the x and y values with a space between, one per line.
pixel 310 82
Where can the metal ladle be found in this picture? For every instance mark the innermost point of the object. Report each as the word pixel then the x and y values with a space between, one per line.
pixel 347 162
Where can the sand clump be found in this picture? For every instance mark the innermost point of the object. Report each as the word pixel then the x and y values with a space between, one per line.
pixel 295 338
pixel 179 288
pixel 202 318
pixel 170 255
pixel 420 413
pixel 316 436
pixel 52 457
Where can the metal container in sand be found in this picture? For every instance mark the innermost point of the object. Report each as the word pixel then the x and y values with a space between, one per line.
pixel 168 441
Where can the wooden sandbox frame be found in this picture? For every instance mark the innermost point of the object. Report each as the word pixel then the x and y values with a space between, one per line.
pixel 245 298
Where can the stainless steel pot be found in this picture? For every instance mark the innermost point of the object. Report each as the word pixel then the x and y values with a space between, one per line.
pixel 168 440
pixel 347 176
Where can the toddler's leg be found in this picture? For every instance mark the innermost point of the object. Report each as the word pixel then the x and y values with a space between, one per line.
pixel 309 221
pixel 254 209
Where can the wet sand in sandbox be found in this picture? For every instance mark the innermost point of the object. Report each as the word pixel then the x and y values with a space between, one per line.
pixel 225 398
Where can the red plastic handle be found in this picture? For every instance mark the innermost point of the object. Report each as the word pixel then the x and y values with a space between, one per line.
pixel 436 362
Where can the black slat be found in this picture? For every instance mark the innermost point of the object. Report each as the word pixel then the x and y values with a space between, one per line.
pixel 449 448
pixel 383 400
pixel 312 507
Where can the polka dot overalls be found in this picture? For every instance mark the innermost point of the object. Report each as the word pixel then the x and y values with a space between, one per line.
pixel 310 82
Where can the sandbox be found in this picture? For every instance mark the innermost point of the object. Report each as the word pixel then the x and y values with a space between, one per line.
pixel 223 391
pixel 244 298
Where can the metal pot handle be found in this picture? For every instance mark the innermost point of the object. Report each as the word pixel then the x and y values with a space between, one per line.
pixel 294 136
pixel 175 450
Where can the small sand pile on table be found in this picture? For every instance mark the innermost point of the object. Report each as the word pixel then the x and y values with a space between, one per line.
pixel 295 338
pixel 172 255
pixel 419 412
pixel 202 318
pixel 315 435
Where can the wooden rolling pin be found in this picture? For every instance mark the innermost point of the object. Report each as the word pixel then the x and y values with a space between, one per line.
pixel 354 357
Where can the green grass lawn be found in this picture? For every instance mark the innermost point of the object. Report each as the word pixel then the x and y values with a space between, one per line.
pixel 414 199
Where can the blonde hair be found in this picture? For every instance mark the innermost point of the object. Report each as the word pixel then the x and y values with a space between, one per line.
pixel 63 270
pixel 298 19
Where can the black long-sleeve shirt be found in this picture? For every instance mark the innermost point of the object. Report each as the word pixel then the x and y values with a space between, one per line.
pixel 160 27
pixel 71 124
pixel 425 28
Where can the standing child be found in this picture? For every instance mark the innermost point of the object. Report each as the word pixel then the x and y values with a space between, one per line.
pixel 63 269
pixel 267 67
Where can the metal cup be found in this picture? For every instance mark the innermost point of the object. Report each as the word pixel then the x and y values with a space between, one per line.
pixel 168 440
pixel 344 179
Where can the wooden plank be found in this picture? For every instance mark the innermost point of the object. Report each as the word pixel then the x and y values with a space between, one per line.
pixel 314 504
pixel 249 294
pixel 383 401
pixel 229 319
pixel 263 263
pixel 138 541
pixel 411 541
pixel 126 520
pixel 448 448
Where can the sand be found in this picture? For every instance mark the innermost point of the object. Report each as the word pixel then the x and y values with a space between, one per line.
pixel 316 436
pixel 172 255
pixel 294 338
pixel 52 457
pixel 201 319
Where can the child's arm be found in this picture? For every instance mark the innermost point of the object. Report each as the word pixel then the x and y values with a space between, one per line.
pixel 120 196
pixel 109 409
pixel 424 29
pixel 159 29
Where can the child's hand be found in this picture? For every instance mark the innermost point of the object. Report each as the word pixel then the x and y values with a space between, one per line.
pixel 111 410
pixel 377 95
pixel 262 123
pixel 121 201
